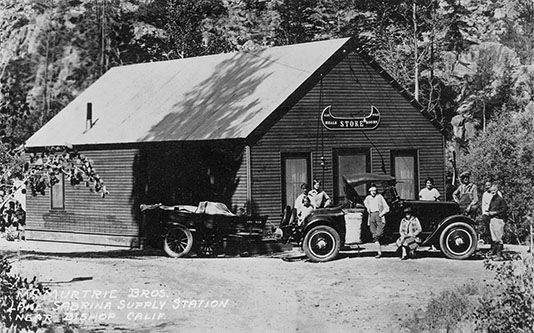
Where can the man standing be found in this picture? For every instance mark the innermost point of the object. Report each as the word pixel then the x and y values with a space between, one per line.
pixel 497 213
pixel 377 207
pixel 466 195
pixel 486 199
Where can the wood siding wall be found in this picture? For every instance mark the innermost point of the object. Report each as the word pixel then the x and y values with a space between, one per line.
pixel 350 88
pixel 239 198
pixel 87 216
pixel 148 174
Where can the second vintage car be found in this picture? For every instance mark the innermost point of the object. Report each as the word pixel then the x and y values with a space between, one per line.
pixel 327 230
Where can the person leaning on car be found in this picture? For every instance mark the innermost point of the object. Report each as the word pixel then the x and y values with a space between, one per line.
pixel 429 192
pixel 320 198
pixel 377 207
pixel 305 192
pixel 466 195
pixel 305 210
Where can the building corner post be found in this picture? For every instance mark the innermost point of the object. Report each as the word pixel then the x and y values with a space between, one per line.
pixel 249 179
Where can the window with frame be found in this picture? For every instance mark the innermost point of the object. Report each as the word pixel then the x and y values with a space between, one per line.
pixel 296 169
pixel 57 194
pixel 405 170
pixel 347 162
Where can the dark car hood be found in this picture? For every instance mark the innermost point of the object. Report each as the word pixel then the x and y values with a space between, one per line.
pixel 362 178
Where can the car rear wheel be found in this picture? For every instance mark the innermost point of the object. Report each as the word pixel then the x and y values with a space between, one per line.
pixel 209 246
pixel 458 241
pixel 322 243
pixel 178 242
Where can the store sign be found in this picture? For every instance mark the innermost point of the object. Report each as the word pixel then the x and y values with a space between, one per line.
pixel 368 122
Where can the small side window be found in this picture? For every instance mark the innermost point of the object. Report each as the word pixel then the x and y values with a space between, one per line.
pixel 57 194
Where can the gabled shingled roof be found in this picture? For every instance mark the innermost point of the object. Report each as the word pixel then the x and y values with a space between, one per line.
pixel 217 97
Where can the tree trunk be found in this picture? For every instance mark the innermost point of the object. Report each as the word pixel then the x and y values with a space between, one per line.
pixel 46 105
pixel 416 78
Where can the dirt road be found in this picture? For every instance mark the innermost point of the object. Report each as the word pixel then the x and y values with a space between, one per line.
pixel 148 292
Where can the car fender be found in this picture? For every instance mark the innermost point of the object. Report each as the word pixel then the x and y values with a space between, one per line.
pixel 172 224
pixel 324 220
pixel 434 236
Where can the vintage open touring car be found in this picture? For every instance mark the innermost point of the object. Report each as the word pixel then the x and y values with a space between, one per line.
pixel 203 229
pixel 327 230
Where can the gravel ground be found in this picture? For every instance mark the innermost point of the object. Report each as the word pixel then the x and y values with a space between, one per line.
pixel 112 289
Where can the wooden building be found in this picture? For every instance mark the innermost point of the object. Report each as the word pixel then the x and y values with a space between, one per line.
pixel 242 128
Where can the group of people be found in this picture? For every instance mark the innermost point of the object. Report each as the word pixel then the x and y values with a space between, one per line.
pixel 493 208
pixel 308 200
pixel 409 227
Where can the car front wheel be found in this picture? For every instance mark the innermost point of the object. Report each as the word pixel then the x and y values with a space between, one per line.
pixel 322 243
pixel 458 241
pixel 178 242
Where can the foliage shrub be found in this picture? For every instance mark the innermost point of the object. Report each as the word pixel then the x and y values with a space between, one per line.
pixel 508 304
pixel 448 311
pixel 504 304
pixel 503 154
pixel 20 301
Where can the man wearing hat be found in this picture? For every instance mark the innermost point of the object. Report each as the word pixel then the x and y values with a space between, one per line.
pixel 377 207
pixel 466 195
